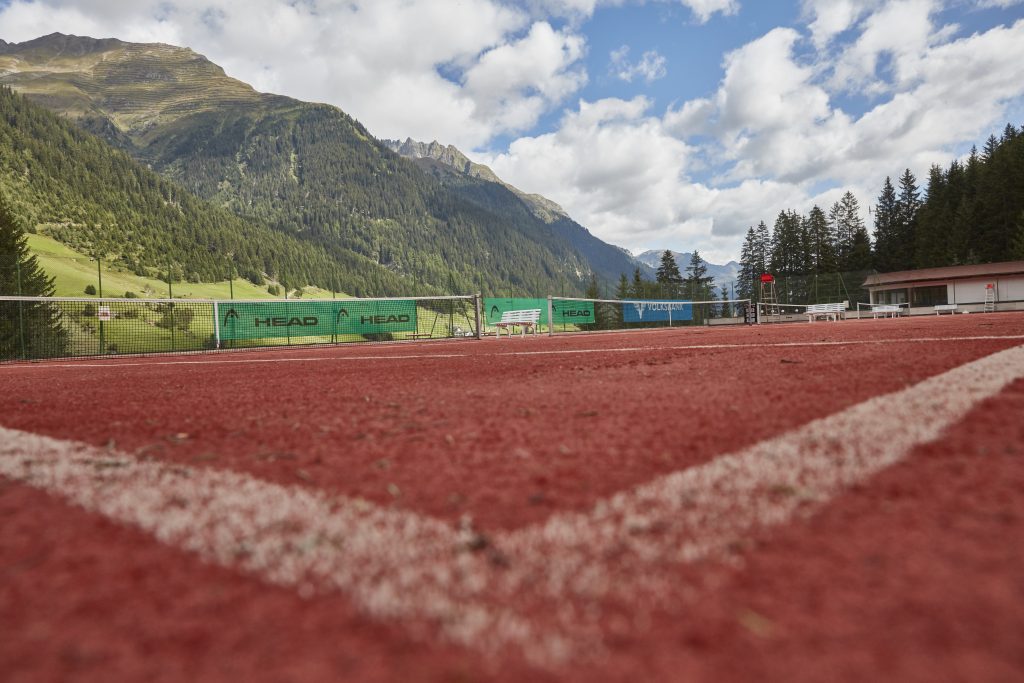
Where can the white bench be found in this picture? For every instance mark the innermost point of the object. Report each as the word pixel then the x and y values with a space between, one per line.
pixel 527 319
pixel 885 310
pixel 828 311
pixel 945 308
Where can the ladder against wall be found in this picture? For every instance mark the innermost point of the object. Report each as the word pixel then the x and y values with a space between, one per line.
pixel 990 298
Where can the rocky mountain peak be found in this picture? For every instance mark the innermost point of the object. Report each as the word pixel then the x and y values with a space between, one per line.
pixel 451 156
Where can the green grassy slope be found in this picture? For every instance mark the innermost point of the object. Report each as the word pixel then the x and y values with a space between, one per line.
pixel 75 188
pixel 74 271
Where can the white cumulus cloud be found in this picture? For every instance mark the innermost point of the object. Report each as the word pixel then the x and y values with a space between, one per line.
pixel 458 70
pixel 650 67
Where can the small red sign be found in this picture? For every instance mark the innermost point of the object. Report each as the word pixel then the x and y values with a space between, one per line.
pixel 766 277
pixel 988 286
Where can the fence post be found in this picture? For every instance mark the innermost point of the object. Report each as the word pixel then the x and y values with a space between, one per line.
pixel 477 300
pixel 21 309
pixel 99 279
pixel 551 317
pixel 216 325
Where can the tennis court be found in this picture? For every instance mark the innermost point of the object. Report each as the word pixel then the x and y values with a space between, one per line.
pixel 799 502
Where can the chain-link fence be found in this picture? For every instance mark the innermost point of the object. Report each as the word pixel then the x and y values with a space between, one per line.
pixel 59 327
pixel 820 288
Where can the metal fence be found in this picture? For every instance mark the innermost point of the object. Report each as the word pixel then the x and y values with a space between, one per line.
pixel 62 327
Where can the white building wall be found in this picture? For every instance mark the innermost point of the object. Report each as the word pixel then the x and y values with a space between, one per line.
pixel 1011 288
pixel 970 291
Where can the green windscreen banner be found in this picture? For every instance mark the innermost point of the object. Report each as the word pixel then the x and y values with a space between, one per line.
pixel 564 311
pixel 263 319
pixel 573 312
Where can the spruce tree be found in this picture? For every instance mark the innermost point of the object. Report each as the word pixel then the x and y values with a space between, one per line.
pixel 28 329
pixel 763 251
pixel 851 227
pixel 639 289
pixel 745 285
pixel 933 241
pixel 622 291
pixel 821 250
pixel 668 277
pixel 907 205
pixel 698 284
pixel 886 229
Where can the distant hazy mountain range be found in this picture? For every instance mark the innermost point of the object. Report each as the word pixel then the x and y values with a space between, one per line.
pixel 724 275
pixel 424 219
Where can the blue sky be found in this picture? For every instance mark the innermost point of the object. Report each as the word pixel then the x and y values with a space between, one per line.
pixel 654 123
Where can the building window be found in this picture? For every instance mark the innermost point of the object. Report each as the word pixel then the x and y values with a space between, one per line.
pixel 891 296
pixel 929 296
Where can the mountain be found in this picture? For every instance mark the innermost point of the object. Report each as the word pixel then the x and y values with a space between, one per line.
pixel 308 171
pixel 473 180
pixel 723 275
pixel 72 186
pixel 451 157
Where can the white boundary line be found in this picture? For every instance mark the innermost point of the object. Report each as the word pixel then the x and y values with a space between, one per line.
pixel 116 363
pixel 538 590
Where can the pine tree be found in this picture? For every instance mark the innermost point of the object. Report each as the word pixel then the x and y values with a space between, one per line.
pixel 27 329
pixel 622 291
pixel 668 277
pixel 747 277
pixel 699 284
pixel 850 227
pixel 886 229
pixel 840 241
pixel 639 289
pixel 933 240
pixel 787 252
pixel 907 205
pixel 821 249
pixel 1017 248
pixel 763 252
pixel 726 308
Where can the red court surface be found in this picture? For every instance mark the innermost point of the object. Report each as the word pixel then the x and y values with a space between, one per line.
pixel 828 501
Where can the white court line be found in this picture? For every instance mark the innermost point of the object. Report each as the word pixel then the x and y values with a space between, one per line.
pixel 114 363
pixel 538 590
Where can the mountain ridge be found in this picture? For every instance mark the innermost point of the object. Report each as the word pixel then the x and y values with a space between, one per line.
pixel 609 260
pixel 306 169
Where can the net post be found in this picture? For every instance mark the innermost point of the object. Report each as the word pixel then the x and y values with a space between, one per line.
pixel 216 325
pixel 551 317
pixel 477 298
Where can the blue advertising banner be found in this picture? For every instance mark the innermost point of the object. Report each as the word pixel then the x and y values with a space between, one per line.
pixel 656 311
